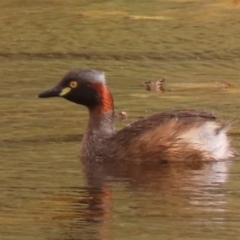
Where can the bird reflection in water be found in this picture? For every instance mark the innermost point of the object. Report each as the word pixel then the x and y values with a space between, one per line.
pixel 194 185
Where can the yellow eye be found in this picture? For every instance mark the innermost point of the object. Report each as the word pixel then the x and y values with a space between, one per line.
pixel 73 84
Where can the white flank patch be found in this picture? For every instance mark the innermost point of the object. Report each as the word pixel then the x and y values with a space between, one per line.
pixel 205 138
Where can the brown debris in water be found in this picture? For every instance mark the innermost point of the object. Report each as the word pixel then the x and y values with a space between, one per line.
pixel 224 85
pixel 236 2
pixel 155 86
pixel 83 14
pixel 122 115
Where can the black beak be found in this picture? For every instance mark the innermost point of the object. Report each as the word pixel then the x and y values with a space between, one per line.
pixel 55 92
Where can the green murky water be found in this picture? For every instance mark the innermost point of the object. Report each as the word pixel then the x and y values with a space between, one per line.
pixel 194 45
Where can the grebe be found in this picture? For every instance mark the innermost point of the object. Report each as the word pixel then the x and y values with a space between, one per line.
pixel 181 135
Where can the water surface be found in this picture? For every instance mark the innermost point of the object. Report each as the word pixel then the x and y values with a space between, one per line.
pixel 194 45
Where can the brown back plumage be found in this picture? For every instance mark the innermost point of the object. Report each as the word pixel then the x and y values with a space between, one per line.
pixel 156 137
